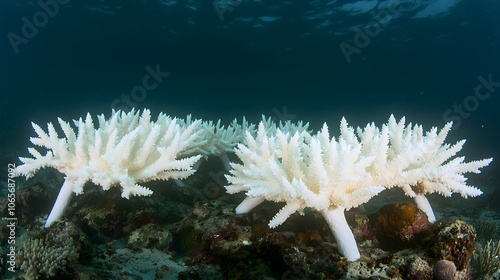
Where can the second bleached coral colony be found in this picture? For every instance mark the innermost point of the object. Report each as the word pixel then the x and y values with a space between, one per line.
pixel 282 162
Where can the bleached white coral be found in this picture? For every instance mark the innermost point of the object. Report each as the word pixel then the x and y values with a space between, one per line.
pixel 419 163
pixel 218 139
pixel 285 126
pixel 330 175
pixel 124 150
pixel 304 170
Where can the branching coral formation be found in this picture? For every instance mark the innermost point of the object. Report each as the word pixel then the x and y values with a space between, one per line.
pixel 279 162
pixel 47 256
pixel 124 150
pixel 217 139
pixel 331 175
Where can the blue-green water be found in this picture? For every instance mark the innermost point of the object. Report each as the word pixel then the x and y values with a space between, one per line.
pixel 432 61
pixel 312 60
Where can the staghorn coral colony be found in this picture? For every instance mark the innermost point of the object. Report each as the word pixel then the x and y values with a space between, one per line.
pixel 50 254
pixel 194 229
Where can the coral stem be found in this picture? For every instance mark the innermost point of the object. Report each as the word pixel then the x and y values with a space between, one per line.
pixel 342 233
pixel 62 202
pixel 248 204
pixel 424 205
pixel 225 161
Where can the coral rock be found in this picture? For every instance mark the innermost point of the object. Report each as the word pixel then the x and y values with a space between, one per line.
pixel 400 225
pixel 150 236
pixel 444 270
pixel 455 242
